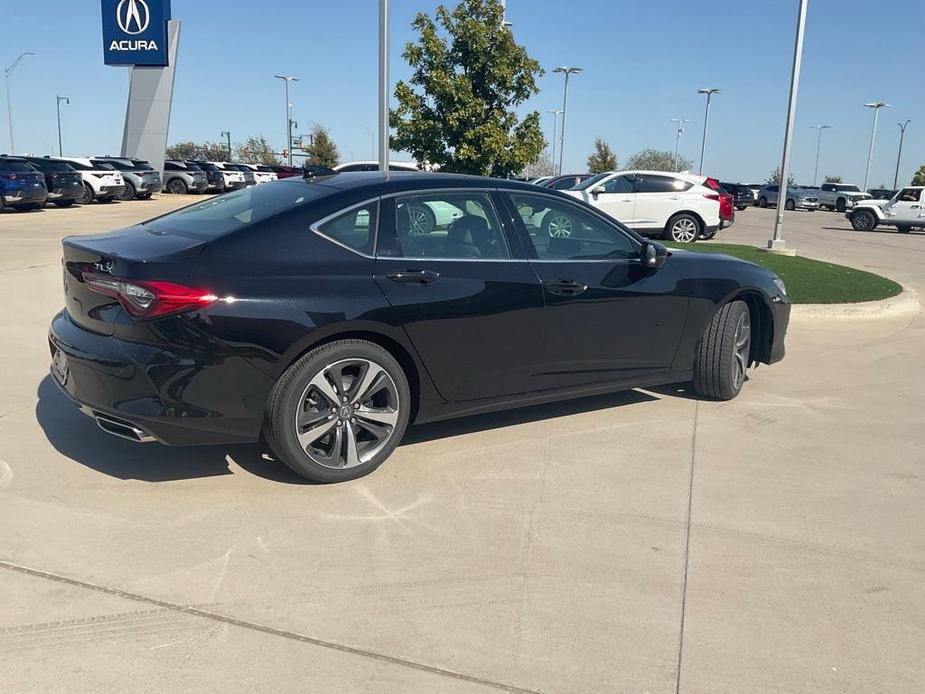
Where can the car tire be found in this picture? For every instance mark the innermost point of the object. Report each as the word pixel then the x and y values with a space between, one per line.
pixel 557 225
pixel 128 193
pixel 840 205
pixel 683 228
pixel 762 202
pixel 724 353
pixel 790 205
pixel 177 186
pixel 63 203
pixel 87 196
pixel 353 423
pixel 422 220
pixel 862 220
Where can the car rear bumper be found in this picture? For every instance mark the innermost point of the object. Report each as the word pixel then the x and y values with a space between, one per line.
pixel 110 191
pixel 66 192
pixel 170 396
pixel 21 197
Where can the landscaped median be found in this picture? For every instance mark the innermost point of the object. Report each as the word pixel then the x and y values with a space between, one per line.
pixel 809 281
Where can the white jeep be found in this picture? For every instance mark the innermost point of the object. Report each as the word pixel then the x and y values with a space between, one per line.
pixel 904 211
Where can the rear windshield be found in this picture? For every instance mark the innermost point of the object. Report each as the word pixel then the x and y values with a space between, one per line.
pixel 103 166
pixel 848 188
pixel 142 165
pixel 51 165
pixel 231 211
pixel 118 165
pixel 15 166
pixel 205 166
pixel 193 167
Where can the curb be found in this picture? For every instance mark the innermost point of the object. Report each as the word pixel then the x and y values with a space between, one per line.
pixel 906 303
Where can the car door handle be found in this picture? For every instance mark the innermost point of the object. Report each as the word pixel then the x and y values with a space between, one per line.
pixel 565 287
pixel 914 207
pixel 414 276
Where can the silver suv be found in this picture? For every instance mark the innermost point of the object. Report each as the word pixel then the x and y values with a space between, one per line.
pixel 182 178
pixel 797 197
pixel 141 180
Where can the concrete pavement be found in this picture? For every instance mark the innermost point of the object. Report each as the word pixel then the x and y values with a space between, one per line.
pixel 640 542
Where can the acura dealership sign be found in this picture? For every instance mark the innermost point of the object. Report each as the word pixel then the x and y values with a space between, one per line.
pixel 135 32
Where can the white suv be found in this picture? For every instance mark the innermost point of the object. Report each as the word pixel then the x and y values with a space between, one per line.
pixel 905 210
pixel 234 178
pixel 262 173
pixel 674 206
pixel 101 180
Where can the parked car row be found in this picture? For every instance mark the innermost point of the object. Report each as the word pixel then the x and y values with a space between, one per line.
pixel 195 176
pixel 28 183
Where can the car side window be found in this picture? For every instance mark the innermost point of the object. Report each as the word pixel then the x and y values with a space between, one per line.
pixel 620 184
pixel 660 184
pixel 910 195
pixel 561 230
pixel 450 225
pixel 828 187
pixel 355 228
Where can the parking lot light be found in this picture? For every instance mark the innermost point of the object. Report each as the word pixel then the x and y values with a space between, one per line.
pixel 876 106
pixel 59 99
pixel 565 70
pixel 555 127
pixel 9 105
pixel 899 155
pixel 709 91
pixel 288 148
pixel 227 133
pixel 679 123
pixel 820 127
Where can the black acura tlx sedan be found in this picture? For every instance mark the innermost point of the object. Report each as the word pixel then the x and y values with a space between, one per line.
pixel 327 313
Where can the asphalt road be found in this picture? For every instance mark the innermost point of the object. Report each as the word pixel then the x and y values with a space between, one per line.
pixel 640 542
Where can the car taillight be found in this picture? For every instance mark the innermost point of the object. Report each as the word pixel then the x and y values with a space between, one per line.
pixel 149 298
pixel 711 183
pixel 711 196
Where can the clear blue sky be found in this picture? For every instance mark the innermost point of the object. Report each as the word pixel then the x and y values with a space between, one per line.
pixel 643 62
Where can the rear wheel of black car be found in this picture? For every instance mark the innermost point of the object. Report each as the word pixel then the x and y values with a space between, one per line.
pixel 724 352
pixel 177 186
pixel 762 202
pixel 840 205
pixel 64 203
pixel 339 411
pixel 128 193
pixel 683 228
pixel 87 196
pixel 790 205
pixel 863 220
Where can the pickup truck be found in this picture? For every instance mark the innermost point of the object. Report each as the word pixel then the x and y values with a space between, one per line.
pixel 840 196
pixel 904 211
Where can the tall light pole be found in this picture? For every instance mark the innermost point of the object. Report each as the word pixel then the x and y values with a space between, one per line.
pixel 555 125
pixel 227 133
pixel 820 127
pixel 288 148
pixel 876 106
pixel 384 85
pixel 59 99
pixel 777 243
pixel 679 126
pixel 902 135
pixel 372 141
pixel 709 91
pixel 9 106
pixel 565 70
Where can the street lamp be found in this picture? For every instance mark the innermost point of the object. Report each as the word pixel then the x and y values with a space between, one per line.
pixel 555 125
pixel 677 145
pixel 383 85
pixel 820 127
pixel 902 135
pixel 709 91
pixel 876 105
pixel 59 99
pixel 227 133
pixel 565 70
pixel 288 148
pixel 9 106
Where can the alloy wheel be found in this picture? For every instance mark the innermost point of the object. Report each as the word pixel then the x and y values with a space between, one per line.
pixel 561 226
pixel 420 222
pixel 743 341
pixel 863 221
pixel 684 230
pixel 347 413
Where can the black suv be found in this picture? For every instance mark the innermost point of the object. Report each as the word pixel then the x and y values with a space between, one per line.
pixel 22 187
pixel 744 196
pixel 63 181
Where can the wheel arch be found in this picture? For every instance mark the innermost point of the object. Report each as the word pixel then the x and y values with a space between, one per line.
pixel 762 318
pixel 693 213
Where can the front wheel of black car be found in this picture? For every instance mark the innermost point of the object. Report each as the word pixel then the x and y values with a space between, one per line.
pixel 339 411
pixel 724 353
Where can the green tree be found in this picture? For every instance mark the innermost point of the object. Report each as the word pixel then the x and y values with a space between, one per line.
pixel 255 150
pixel 602 158
pixel 828 179
pixel 774 178
pixel 457 111
pixel 919 178
pixel 210 151
pixel 321 151
pixel 657 160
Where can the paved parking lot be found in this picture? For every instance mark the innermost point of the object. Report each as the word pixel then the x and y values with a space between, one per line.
pixel 640 542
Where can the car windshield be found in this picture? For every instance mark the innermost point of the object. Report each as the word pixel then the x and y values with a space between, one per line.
pixel 225 213
pixel 588 182
pixel 848 188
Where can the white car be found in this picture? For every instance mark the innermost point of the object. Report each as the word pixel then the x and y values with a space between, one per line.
pixel 904 211
pixel 840 196
pixel 101 181
pixel 234 178
pixel 673 206
pixel 262 173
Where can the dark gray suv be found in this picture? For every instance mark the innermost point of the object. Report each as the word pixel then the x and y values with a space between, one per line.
pixel 184 177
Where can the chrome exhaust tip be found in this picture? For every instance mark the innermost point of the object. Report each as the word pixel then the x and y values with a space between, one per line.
pixel 122 429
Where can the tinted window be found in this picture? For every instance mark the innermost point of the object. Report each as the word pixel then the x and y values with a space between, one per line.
pixel 102 165
pixel 772 189
pixel 193 167
pixel 359 167
pixel 51 165
pixel 562 231
pixel 16 166
pixel 231 211
pixel 590 182
pixel 79 166
pixel 454 226
pixel 564 183
pixel 646 183
pixel 356 228
pixel 117 165
pixel 170 166
pixel 206 167
pixel 846 188
pixel 142 165
pixel 620 184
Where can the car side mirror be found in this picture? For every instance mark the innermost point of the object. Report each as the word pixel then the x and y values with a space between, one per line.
pixel 653 255
pixel 597 191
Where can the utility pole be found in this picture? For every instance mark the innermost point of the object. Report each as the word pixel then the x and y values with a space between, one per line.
pixel 709 91
pixel 555 125
pixel 9 104
pixel 777 244
pixel 899 156
pixel 287 79
pixel 679 123
pixel 227 133
pixel 59 99
pixel 876 106
pixel 565 70
pixel 820 127
pixel 383 85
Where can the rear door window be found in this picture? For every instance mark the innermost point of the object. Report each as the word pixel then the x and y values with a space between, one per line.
pixel 355 228
pixel 647 183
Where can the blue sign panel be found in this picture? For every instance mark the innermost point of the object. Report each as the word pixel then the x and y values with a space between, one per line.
pixel 135 32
